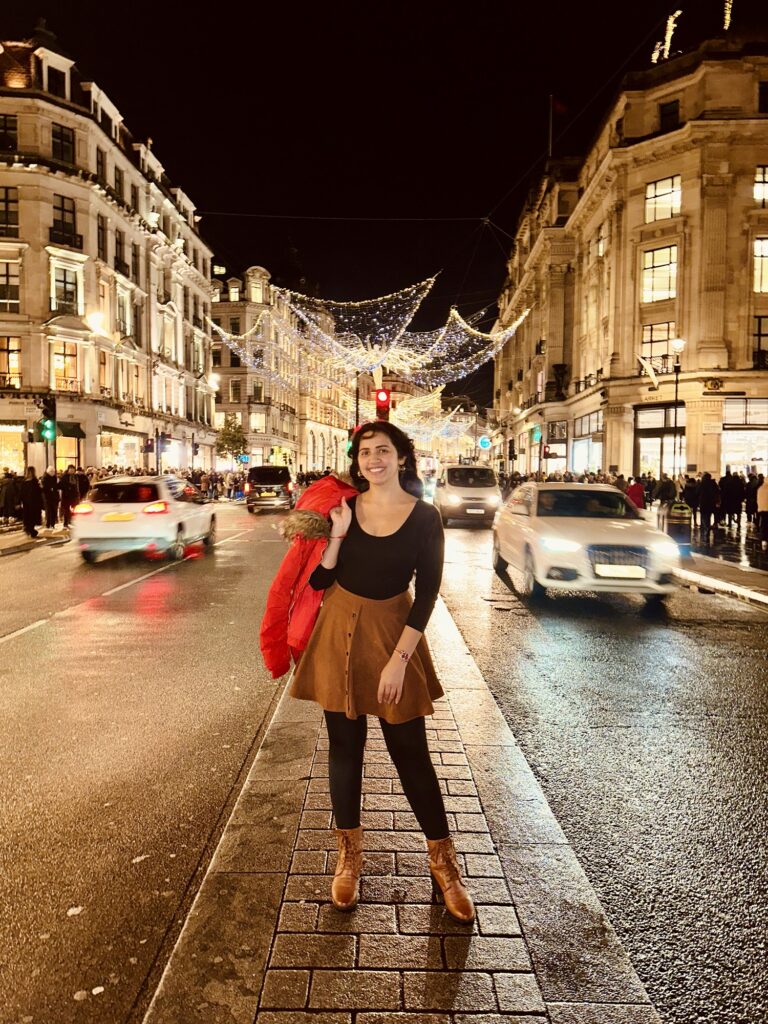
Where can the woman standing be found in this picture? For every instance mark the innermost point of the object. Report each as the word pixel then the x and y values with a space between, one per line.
pixel 31 502
pixel 367 654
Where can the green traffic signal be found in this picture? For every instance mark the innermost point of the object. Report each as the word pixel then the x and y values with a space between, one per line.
pixel 48 430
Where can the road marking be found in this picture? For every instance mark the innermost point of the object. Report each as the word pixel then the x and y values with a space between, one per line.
pixel 24 629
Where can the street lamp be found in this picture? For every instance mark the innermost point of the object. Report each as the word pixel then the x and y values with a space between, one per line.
pixel 677 345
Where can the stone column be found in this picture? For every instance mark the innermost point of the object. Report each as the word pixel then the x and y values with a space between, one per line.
pixel 712 351
pixel 704 433
pixel 618 438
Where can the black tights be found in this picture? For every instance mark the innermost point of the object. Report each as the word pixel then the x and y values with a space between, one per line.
pixel 407 746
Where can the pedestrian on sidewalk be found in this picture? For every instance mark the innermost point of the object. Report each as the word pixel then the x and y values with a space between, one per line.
pixel 31 502
pixel 70 494
pixel 709 503
pixel 367 654
pixel 762 512
pixel 50 496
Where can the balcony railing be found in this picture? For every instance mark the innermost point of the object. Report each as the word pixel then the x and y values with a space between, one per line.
pixel 105 392
pixel 661 364
pixel 587 382
pixel 65 236
pixel 64 306
pixel 72 384
pixel 760 359
pixel 536 399
pixel 10 380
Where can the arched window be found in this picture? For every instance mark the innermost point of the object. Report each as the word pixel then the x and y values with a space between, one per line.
pixel 322 452
pixel 312 453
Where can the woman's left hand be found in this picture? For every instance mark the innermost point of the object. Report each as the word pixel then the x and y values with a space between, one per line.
pixel 391 682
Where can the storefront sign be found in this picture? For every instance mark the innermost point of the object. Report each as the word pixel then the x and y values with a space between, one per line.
pixel 484 442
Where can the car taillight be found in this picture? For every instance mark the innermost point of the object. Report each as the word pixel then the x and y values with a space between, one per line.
pixel 155 508
pixel 84 508
pixel 247 488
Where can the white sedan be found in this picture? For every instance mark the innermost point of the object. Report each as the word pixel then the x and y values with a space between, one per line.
pixel 155 514
pixel 582 537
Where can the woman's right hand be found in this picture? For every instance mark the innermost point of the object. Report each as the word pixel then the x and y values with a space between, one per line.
pixel 341 519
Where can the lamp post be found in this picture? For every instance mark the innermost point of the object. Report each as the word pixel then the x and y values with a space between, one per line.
pixel 677 345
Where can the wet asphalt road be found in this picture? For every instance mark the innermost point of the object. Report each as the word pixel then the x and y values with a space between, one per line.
pixel 127 722
pixel 648 732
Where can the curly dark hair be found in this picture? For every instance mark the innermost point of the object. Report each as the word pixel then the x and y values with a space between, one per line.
pixel 409 477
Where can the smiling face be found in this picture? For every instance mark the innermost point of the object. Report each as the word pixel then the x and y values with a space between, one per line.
pixel 378 460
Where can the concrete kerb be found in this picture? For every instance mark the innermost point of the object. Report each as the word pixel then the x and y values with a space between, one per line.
pixel 702 581
pixel 217 968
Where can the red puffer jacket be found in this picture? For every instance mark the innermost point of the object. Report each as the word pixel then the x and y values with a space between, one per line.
pixel 292 605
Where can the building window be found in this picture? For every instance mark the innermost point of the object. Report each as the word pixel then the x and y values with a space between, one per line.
pixel 101 237
pixel 9 136
pixel 234 359
pixel 234 391
pixel 186 303
pixel 9 286
pixel 761 186
pixel 660 274
pixel 762 98
pixel 102 371
pixel 585 426
pixel 10 362
pixel 761 264
pixel 234 324
pixel 135 262
pixel 655 346
pixel 64 214
pixel 662 199
pixel 65 290
pixel 123 313
pixel 134 198
pixel 120 265
pixel 745 412
pixel 63 144
pixel 137 324
pixel 256 291
pixel 57 83
pixel 216 355
pixel 119 183
pixel 65 366
pixel 760 343
pixel 234 293
pixel 9 212
pixel 669 116
pixel 258 392
pixel 101 165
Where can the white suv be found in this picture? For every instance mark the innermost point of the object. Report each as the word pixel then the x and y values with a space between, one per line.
pixel 142 513
pixel 469 493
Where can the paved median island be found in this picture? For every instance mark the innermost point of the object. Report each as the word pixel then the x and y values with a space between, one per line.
pixel 263 942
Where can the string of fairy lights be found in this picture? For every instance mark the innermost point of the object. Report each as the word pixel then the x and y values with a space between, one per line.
pixel 335 342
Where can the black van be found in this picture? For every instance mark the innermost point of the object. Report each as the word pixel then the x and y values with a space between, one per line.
pixel 269 487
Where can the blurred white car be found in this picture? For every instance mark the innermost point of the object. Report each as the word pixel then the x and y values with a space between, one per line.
pixel 582 537
pixel 132 513
pixel 469 493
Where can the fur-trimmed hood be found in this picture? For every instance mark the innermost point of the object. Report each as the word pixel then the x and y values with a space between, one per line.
pixel 309 520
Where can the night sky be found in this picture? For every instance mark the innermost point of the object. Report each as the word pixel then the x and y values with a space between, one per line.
pixel 376 137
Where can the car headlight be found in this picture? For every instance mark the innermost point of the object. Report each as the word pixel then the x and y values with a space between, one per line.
pixel 666 548
pixel 493 500
pixel 559 544
pixel 454 499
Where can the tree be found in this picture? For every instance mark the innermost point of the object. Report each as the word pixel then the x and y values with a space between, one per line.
pixel 231 439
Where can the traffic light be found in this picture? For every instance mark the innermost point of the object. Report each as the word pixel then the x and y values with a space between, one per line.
pixel 195 448
pixel 511 450
pixel 162 443
pixel 545 452
pixel 383 401
pixel 48 419
pixel 149 446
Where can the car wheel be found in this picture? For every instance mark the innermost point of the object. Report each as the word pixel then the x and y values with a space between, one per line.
pixel 88 556
pixel 252 510
pixel 499 564
pixel 532 590
pixel 655 600
pixel 210 538
pixel 176 550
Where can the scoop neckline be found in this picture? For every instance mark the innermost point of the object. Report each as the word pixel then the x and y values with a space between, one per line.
pixel 383 536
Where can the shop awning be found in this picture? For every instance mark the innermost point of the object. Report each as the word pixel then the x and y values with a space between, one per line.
pixel 64 429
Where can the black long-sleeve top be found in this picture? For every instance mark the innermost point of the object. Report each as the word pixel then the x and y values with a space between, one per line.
pixel 382 567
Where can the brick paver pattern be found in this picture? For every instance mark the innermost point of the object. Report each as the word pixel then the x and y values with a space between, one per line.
pixel 399 957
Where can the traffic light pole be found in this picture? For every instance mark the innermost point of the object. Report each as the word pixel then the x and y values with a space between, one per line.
pixel 157 452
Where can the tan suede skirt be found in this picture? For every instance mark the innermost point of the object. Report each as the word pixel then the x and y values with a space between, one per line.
pixel 352 641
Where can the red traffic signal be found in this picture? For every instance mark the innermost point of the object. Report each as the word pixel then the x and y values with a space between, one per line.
pixel 383 402
pixel 545 452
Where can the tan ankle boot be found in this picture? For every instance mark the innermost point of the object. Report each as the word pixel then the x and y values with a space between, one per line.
pixel 345 888
pixel 447 878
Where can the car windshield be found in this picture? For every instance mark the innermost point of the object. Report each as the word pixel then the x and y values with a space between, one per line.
pixel 471 476
pixel 123 493
pixel 269 475
pixel 586 504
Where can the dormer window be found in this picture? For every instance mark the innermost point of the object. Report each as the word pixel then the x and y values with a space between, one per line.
pixel 234 293
pixel 669 116
pixel 57 83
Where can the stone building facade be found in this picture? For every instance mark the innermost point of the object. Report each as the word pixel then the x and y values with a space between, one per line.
pixel 296 410
pixel 104 280
pixel 659 234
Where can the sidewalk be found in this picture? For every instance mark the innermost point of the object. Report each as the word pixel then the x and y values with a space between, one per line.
pixel 263 943
pixel 705 573
pixel 14 541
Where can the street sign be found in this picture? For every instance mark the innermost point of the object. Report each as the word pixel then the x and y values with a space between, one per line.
pixel 484 442
pixel 244 458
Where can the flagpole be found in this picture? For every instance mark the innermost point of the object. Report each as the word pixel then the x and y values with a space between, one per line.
pixel 549 138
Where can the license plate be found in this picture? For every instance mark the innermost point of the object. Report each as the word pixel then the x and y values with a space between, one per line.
pixel 268 494
pixel 118 517
pixel 624 572
pixel 476 511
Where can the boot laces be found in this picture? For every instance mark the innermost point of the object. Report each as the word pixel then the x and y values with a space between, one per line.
pixel 347 851
pixel 448 862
